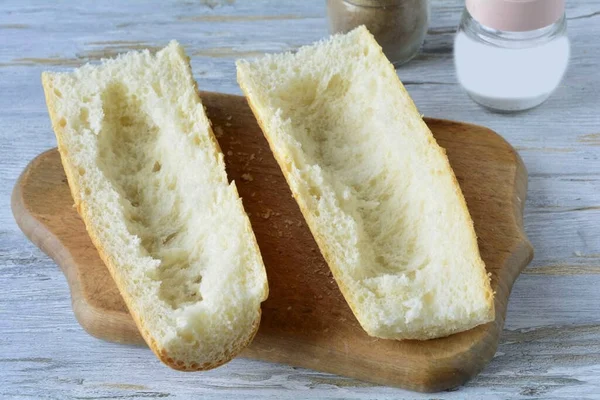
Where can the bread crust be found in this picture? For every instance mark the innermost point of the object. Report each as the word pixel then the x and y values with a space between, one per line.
pixel 322 242
pixel 161 353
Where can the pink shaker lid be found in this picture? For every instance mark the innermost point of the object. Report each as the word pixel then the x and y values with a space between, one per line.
pixel 516 15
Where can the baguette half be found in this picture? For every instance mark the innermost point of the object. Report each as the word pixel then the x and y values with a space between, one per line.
pixel 148 179
pixel 375 188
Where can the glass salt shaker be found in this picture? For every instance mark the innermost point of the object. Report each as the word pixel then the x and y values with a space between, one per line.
pixel 399 26
pixel 511 55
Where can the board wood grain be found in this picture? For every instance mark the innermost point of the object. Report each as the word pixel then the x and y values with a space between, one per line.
pixel 306 322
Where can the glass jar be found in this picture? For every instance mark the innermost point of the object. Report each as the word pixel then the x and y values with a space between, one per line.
pixel 510 70
pixel 399 26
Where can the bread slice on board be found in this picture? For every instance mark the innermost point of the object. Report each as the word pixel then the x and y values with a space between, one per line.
pixel 375 188
pixel 148 179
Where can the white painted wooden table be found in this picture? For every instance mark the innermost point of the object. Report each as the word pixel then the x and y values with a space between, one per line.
pixel 551 345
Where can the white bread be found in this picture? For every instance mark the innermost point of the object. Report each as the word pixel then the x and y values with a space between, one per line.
pixel 376 190
pixel 148 179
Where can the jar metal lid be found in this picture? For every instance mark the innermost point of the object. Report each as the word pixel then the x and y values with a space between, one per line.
pixel 516 15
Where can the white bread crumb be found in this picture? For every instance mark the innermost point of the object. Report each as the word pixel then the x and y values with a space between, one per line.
pixel 146 173
pixel 375 188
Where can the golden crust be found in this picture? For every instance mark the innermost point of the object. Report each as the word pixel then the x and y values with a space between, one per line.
pixel 161 353
pixel 322 243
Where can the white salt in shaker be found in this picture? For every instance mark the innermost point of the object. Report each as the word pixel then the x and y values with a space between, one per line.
pixel 510 55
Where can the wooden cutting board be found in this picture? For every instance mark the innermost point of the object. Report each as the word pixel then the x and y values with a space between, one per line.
pixel 306 321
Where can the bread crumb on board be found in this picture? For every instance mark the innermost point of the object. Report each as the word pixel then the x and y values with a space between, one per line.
pixel 230 153
pixel 249 160
pixel 218 131
pixel 267 214
pixel 247 177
